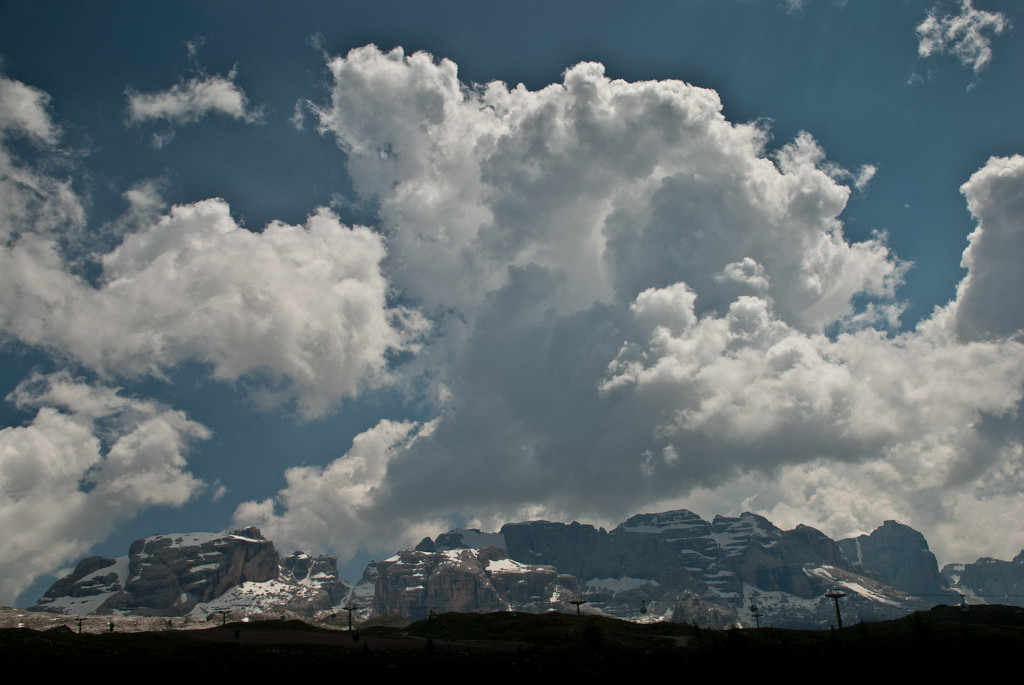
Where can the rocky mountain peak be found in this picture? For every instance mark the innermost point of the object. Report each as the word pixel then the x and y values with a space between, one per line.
pixel 988 580
pixel 164 575
pixel 680 519
pixel 86 581
pixel 414 582
pixel 899 555
pixel 320 573
pixel 471 538
pixel 251 532
pixel 425 545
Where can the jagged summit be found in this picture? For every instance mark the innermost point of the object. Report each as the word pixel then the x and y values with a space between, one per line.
pixel 677 566
pixel 900 555
pixel 195 574
pixel 164 575
pixel 461 538
pixel 665 522
pixel 988 580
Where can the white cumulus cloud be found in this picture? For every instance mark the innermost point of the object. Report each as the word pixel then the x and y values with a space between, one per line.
pixel 89 459
pixel 619 186
pixel 990 300
pixel 328 505
pixel 966 34
pixel 298 313
pixel 299 310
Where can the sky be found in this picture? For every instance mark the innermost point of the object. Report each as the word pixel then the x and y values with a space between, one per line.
pixel 358 273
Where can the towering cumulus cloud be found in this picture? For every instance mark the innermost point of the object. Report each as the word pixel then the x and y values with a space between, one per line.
pixel 990 301
pixel 636 300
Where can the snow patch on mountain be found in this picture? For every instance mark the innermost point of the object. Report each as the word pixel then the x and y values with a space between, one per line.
pixel 507 566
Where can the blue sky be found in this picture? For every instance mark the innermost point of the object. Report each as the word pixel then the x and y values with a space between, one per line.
pixel 357 273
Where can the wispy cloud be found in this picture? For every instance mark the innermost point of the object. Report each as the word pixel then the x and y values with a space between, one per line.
pixel 965 33
pixel 190 101
pixel 23 110
pixel 30 200
pixel 794 5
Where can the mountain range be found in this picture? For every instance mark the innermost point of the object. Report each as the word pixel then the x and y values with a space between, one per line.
pixel 669 566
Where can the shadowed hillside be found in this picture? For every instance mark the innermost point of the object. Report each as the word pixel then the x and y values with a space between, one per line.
pixel 924 644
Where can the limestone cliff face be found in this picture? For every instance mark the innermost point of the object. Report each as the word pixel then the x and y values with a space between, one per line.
pixel 320 573
pixel 775 560
pixel 672 563
pixel 677 566
pixel 680 549
pixel 577 549
pixel 168 575
pixel 899 555
pixel 691 609
pixel 414 582
pixel 992 580
pixel 519 588
pixel 85 581
pixel 165 575
pixel 460 583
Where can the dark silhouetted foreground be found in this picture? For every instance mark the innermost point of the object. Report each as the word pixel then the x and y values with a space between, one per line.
pixel 946 641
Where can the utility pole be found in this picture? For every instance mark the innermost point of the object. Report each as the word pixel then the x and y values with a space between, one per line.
pixel 350 608
pixel 755 611
pixel 579 620
pixel 835 594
